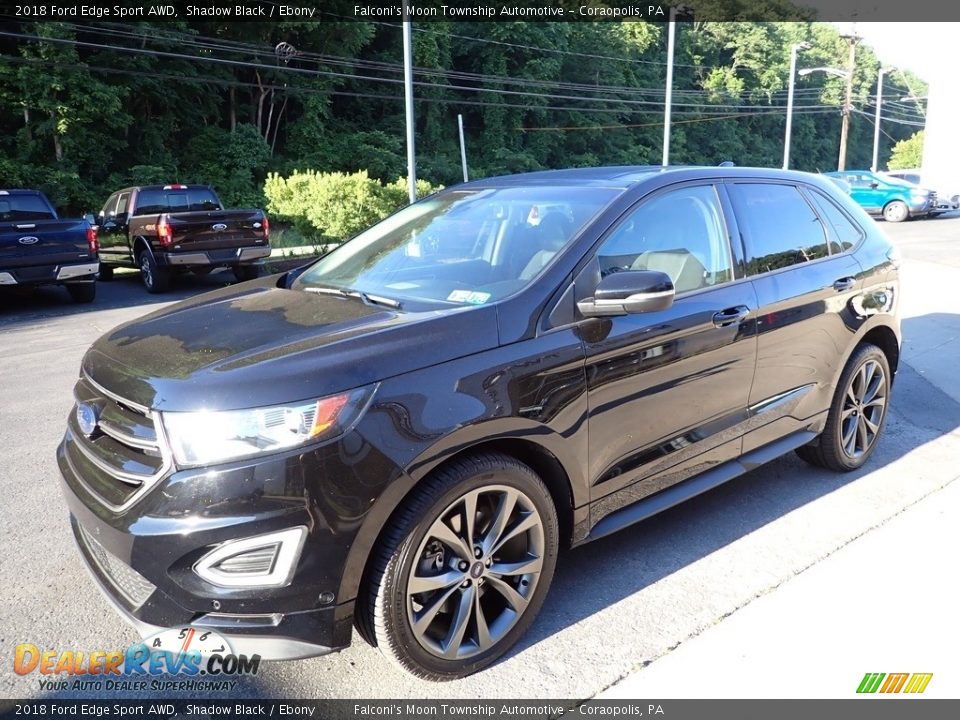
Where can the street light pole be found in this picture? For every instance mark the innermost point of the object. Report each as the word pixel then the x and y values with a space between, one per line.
pixel 408 102
pixel 876 122
pixel 793 72
pixel 848 106
pixel 669 97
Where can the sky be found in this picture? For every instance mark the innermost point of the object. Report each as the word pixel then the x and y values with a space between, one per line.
pixel 926 48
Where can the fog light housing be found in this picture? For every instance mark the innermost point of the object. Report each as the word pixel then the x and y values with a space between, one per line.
pixel 261 561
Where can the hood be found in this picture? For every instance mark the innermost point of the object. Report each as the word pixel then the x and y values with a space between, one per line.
pixel 256 344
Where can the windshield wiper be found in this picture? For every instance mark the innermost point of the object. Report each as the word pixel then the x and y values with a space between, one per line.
pixel 350 292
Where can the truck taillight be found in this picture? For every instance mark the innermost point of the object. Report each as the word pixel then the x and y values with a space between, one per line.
pixel 164 233
pixel 92 241
pixel 266 227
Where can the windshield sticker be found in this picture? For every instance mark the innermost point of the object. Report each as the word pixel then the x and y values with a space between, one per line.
pixel 468 296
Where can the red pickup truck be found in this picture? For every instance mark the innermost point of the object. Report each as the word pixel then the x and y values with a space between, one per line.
pixel 162 229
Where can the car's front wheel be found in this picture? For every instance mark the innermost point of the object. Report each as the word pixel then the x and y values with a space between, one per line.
pixel 896 211
pixel 857 414
pixel 462 569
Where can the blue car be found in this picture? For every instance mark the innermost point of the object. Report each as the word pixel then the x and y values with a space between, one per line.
pixel 893 199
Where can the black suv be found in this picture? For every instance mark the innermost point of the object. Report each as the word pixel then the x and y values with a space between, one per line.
pixel 402 434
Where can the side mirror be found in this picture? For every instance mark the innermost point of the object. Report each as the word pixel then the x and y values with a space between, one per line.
pixel 628 292
pixel 874 185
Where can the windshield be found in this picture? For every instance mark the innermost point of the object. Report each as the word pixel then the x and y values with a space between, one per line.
pixel 461 247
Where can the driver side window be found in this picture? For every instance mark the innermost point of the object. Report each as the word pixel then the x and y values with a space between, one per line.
pixel 680 233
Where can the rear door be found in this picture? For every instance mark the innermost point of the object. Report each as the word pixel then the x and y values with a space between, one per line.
pixel 668 389
pixel 804 279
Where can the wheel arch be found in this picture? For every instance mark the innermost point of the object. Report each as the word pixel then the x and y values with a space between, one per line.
pixel 538 457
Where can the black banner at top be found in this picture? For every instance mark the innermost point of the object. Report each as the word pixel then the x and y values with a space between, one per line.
pixel 280 11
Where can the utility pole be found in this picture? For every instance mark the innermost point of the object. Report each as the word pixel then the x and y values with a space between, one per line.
pixel 876 122
pixel 463 149
pixel 848 104
pixel 408 101
pixel 668 100
pixel 793 74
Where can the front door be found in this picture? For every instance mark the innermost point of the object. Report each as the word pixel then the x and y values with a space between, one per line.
pixel 668 389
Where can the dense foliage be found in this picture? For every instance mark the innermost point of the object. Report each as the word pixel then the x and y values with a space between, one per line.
pixel 86 109
pixel 335 205
pixel 907 153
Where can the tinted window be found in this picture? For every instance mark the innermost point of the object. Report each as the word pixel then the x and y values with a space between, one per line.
pixel 154 202
pixel 844 233
pixel 780 227
pixel 122 203
pixel 110 205
pixel 859 181
pixel 680 233
pixel 24 207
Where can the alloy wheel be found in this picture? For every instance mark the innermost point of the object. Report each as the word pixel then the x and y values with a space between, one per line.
pixel 864 405
pixel 475 572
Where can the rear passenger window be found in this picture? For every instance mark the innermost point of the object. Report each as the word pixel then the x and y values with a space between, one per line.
pixel 781 229
pixel 845 234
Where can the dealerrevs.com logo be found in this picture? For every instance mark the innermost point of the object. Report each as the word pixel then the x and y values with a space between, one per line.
pixel 204 657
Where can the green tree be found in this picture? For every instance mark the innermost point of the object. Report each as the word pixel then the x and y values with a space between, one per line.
pixel 907 153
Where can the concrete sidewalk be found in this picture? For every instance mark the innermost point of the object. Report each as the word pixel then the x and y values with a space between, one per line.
pixel 887 601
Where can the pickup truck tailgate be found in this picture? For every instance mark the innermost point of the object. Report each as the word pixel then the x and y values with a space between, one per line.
pixel 212 230
pixel 33 250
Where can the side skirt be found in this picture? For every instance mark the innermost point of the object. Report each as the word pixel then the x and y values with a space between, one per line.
pixel 665 499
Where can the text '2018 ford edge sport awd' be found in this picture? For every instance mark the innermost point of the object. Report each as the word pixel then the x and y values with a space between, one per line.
pixel 402 434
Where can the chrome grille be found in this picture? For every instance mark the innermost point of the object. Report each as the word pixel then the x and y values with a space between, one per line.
pixel 127 581
pixel 124 456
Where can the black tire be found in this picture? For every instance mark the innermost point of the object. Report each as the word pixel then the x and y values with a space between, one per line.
pixel 106 273
pixel 246 272
pixel 155 278
pixel 896 211
pixel 833 449
pixel 82 293
pixel 388 601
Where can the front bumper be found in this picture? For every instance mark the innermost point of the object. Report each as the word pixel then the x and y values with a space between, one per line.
pixel 142 557
pixel 215 257
pixel 272 637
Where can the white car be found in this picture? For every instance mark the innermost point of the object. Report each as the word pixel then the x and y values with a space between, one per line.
pixel 946 199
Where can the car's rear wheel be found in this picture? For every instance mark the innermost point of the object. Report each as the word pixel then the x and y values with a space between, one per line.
pixel 857 415
pixel 896 211
pixel 82 293
pixel 155 278
pixel 462 568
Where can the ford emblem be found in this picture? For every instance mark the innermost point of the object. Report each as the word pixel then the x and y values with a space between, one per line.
pixel 28 240
pixel 219 227
pixel 87 418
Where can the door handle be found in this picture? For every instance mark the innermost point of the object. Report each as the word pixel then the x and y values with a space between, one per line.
pixel 844 284
pixel 730 316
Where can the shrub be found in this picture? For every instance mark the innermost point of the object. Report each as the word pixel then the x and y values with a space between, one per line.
pixel 335 206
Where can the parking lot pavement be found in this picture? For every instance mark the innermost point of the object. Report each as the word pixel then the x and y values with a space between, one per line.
pixel 616 606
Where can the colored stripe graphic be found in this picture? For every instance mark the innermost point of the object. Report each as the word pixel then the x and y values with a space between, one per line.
pixel 870 682
pixel 918 683
pixel 894 683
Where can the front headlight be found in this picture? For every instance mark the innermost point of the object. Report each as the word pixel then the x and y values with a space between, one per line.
pixel 208 437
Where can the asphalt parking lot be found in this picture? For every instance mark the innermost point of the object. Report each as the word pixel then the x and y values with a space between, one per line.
pixel 616 606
